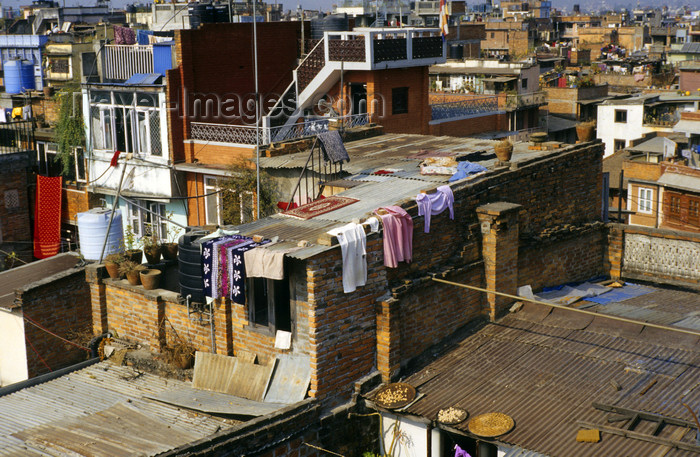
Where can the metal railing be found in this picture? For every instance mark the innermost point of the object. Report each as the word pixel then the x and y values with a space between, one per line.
pixel 17 136
pixel 311 66
pixel 521 100
pixel 246 134
pixel 463 108
pixel 122 61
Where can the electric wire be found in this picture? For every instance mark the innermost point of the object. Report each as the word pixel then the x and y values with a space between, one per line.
pixel 37 325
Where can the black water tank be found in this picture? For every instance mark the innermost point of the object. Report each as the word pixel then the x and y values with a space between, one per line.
pixel 189 261
pixel 332 23
pixel 221 13
pixel 456 51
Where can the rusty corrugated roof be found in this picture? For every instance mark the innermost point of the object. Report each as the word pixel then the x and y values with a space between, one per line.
pixel 545 369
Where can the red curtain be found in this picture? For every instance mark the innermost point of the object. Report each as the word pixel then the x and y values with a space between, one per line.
pixel 47 217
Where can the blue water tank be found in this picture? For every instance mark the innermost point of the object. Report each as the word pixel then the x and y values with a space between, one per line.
pixel 92 228
pixel 19 76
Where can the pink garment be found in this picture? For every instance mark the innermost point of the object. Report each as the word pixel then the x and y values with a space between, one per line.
pixel 398 236
pixel 434 204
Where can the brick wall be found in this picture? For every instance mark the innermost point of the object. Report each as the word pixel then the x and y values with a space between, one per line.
pixel 564 100
pixel 380 85
pixel 61 305
pixel 689 80
pixel 15 208
pixel 466 127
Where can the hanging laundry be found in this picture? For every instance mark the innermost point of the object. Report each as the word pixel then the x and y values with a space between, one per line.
pixel 142 36
pixel 47 217
pixel 465 169
pixel 373 223
pixel 225 270
pixel 333 147
pixel 17 113
pixel 237 267
pixel 353 248
pixel 266 262
pixel 3 117
pixel 210 264
pixel 27 112
pixel 434 204
pixel 124 35
pixel 398 235
pixel 459 452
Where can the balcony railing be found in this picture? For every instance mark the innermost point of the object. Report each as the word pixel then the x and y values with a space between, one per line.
pixel 122 61
pixel 523 100
pixel 245 134
pixel 471 106
pixel 310 66
pixel 17 136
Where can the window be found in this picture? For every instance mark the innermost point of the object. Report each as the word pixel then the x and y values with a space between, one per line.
pixel 621 116
pixel 212 203
pixel 125 121
pixel 144 223
pixel 674 207
pixel 646 196
pixel 694 211
pixel 269 303
pixel 619 144
pixel 48 163
pixel 524 83
pixel 399 100
pixel 493 35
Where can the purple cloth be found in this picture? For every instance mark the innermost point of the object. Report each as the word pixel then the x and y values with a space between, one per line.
pixel 237 268
pixel 434 204
pixel 398 236
pixel 124 35
pixel 224 267
pixel 459 452
pixel 210 264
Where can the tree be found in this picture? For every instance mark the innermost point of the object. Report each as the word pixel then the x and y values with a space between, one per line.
pixel 238 191
pixel 70 130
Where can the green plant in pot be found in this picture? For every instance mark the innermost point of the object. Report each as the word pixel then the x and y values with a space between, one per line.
pixel 152 249
pixel 131 245
pixel 132 271
pixel 112 263
pixel 169 248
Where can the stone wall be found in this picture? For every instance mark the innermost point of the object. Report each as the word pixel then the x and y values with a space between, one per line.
pixel 656 255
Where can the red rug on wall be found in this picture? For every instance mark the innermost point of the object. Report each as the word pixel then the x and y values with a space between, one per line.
pixel 321 206
pixel 47 217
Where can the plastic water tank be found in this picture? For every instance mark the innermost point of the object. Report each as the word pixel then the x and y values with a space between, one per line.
pixel 456 51
pixel 189 261
pixel 19 76
pixel 332 23
pixel 92 228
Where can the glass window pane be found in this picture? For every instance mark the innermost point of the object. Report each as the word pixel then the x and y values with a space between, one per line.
pixel 143 99
pixel 155 145
pixel 142 119
pixel 123 98
pixel 107 129
pixel 100 96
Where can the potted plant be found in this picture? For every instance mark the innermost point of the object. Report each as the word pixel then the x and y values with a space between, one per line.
pixel 131 245
pixel 152 249
pixel 132 271
pixel 584 131
pixel 169 248
pixel 150 278
pixel 112 263
pixel 504 150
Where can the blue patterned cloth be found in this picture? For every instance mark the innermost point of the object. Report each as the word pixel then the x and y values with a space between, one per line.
pixel 210 264
pixel 465 169
pixel 237 265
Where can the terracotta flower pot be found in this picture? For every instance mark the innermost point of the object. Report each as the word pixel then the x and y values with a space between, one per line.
pixel 504 151
pixel 135 255
pixel 112 270
pixel 169 251
pixel 150 279
pixel 152 254
pixel 585 132
pixel 133 277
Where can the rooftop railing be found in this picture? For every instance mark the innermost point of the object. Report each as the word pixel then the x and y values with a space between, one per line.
pixel 246 134
pixel 122 61
pixel 467 107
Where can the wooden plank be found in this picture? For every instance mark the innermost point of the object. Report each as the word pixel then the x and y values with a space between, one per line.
pixel 643 415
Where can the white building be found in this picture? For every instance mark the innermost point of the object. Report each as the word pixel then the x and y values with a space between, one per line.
pixel 623 120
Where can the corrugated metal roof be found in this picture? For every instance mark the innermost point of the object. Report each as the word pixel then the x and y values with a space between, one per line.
pixel 680 181
pixel 546 368
pixel 86 392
